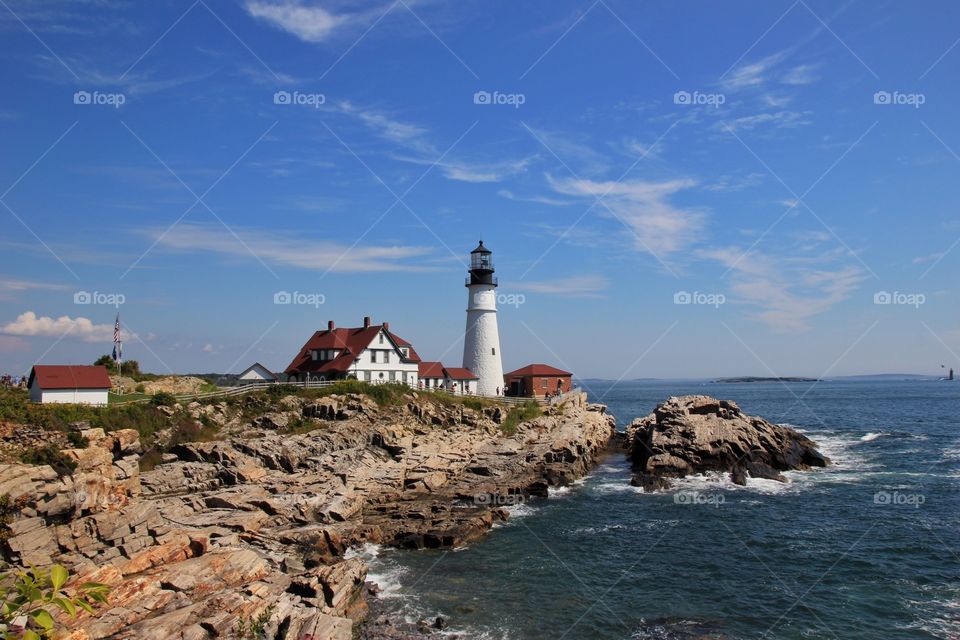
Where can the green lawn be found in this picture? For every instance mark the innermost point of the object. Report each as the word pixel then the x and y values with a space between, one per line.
pixel 126 397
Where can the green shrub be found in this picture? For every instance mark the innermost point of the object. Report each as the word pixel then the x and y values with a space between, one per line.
pixel 34 593
pixel 140 388
pixel 49 454
pixel 521 413
pixel 163 399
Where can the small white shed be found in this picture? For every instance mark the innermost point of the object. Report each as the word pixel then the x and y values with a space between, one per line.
pixel 69 384
pixel 258 373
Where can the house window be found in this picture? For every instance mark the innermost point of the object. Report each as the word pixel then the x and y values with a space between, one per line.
pixel 373 356
pixel 366 376
pixel 544 383
pixel 313 354
pixel 393 376
pixel 386 357
pixel 381 338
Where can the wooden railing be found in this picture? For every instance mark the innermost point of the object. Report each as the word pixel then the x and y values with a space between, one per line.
pixel 226 392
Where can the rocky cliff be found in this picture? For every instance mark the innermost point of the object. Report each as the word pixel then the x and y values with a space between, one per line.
pixel 694 434
pixel 253 530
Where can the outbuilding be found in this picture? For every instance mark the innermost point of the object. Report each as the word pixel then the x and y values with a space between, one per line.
pixel 537 381
pixel 257 373
pixel 69 384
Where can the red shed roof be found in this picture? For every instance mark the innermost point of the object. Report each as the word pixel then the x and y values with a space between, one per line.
pixel 539 370
pixel 431 370
pixel 459 373
pixel 350 343
pixel 53 376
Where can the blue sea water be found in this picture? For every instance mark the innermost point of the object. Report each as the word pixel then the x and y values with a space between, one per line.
pixel 867 548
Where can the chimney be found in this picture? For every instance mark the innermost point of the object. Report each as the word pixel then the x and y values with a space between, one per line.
pixel 330 325
pixel 386 326
pixel 366 322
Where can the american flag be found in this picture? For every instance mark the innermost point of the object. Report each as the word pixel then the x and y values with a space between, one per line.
pixel 117 345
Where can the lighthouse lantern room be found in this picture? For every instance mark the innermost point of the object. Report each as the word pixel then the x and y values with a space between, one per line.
pixel 481 343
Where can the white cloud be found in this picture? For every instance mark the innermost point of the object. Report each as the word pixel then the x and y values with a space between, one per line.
pixel 571 286
pixel 660 227
pixel 209 348
pixel 292 250
pixel 311 24
pixel 29 325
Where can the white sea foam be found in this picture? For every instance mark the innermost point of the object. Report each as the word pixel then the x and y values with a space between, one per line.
pixel 622 486
pixel 520 511
pixel 952 452
pixel 870 437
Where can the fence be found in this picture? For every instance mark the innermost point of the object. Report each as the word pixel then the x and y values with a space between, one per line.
pixel 226 392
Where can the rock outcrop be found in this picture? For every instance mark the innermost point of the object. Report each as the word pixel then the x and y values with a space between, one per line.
pixel 695 434
pixel 255 528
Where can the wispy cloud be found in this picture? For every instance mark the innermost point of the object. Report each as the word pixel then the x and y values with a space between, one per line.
pixel 778 120
pixel 590 286
pixel 292 250
pixel 510 195
pixel 309 23
pixel 645 207
pixel 787 291
pixel 420 150
pixel 10 287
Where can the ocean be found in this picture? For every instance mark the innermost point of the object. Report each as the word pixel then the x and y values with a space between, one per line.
pixel 866 548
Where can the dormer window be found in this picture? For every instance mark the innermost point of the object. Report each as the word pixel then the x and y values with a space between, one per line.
pixel 381 338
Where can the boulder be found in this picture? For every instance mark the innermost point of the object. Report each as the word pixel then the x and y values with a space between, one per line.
pixel 696 434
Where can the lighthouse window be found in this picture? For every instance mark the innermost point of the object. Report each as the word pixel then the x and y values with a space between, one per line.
pixel 493 351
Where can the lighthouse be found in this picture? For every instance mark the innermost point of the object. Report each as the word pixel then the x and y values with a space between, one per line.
pixel 481 342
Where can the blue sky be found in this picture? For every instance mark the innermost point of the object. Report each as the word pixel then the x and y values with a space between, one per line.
pixel 782 163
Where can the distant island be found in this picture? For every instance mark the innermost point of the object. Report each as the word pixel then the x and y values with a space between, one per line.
pixel 762 379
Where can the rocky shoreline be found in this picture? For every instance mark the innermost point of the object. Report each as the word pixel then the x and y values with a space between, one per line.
pixel 252 530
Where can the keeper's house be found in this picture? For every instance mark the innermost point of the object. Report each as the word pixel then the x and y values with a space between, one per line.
pixel 537 381
pixel 370 353
pixel 69 384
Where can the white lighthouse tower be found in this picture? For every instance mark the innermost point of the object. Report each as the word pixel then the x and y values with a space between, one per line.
pixel 481 343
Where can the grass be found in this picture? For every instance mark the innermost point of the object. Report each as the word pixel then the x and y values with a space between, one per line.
pixel 520 413
pixel 15 406
pixel 126 397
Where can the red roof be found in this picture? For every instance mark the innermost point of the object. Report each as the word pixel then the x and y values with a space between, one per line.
pixel 51 376
pixel 350 343
pixel 431 370
pixel 459 373
pixel 539 370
